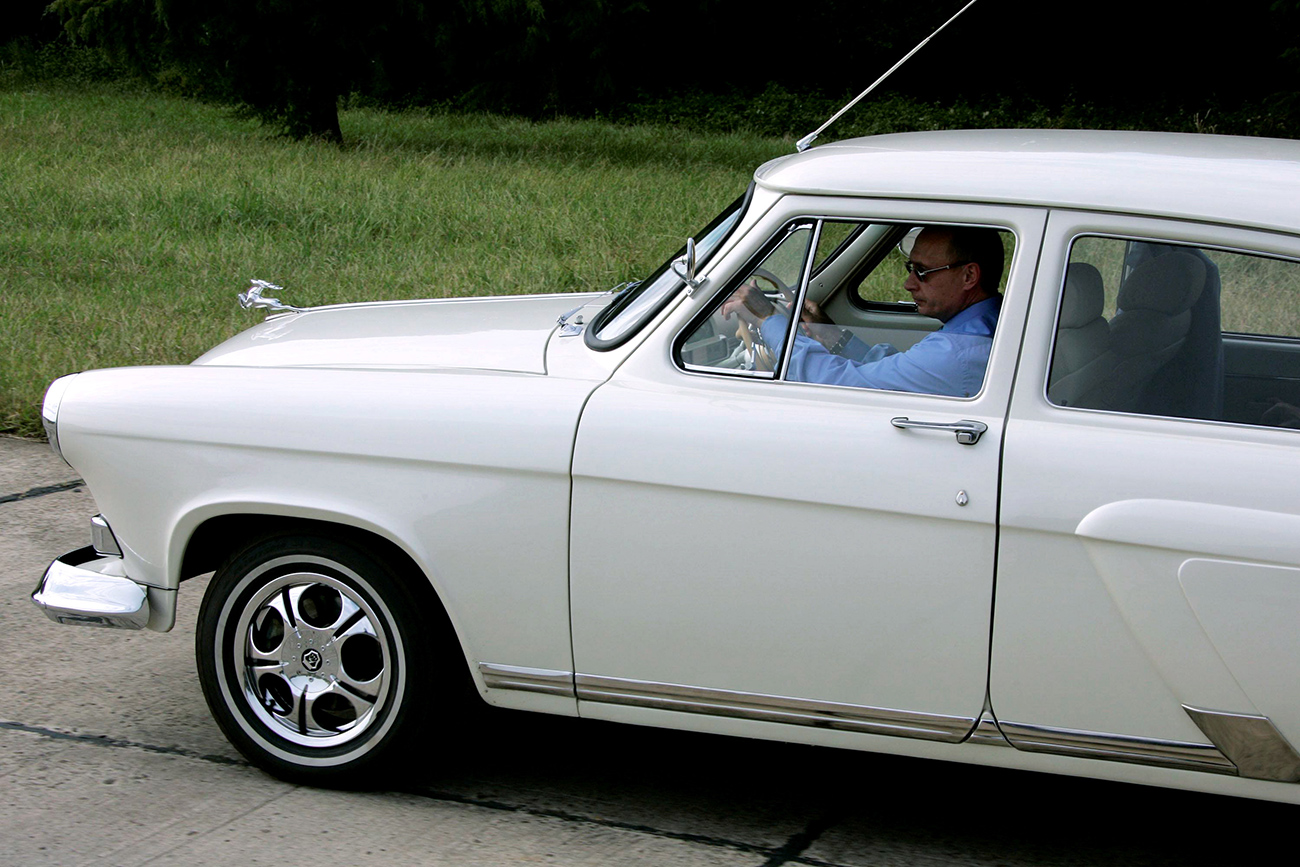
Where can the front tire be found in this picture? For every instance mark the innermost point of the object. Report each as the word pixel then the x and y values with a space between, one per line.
pixel 311 653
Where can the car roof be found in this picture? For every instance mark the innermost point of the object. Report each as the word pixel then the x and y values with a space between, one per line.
pixel 1227 179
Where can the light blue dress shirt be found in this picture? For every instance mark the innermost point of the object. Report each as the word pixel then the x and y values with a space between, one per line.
pixel 948 361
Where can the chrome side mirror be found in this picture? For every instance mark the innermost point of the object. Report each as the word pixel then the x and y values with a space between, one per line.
pixel 684 267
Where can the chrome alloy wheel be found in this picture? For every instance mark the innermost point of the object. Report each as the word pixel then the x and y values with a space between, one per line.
pixel 311 662
pixel 315 659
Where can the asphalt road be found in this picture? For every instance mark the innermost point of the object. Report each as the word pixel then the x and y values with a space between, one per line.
pixel 108 757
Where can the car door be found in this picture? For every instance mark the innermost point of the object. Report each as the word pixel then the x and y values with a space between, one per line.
pixel 1149 568
pixel 752 547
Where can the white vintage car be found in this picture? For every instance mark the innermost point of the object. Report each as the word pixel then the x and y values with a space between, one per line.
pixel 649 511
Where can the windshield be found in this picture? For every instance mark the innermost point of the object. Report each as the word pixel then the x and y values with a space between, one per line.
pixel 639 302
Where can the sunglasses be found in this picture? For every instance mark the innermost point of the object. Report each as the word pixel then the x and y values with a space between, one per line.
pixel 915 269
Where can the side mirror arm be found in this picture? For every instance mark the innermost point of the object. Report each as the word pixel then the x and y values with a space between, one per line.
pixel 684 267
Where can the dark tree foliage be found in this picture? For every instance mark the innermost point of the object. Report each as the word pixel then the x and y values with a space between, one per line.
pixel 129 30
pixel 289 61
pixel 1127 50
pixel 284 61
pixel 576 56
pixel 26 20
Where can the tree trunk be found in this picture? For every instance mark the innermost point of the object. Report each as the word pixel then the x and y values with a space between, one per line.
pixel 322 120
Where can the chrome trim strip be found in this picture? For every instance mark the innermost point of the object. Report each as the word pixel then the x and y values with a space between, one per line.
pixel 80 588
pixel 1251 742
pixel 543 680
pixel 987 732
pixel 787 344
pixel 773 708
pixel 1118 748
pixel 765 375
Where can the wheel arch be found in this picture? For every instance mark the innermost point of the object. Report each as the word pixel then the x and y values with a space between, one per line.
pixel 217 537
pixel 426 685
pixel 214 538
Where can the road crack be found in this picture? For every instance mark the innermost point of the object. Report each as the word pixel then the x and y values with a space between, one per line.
pixel 42 491
pixel 578 818
pixel 794 848
pixel 105 741
pixel 788 853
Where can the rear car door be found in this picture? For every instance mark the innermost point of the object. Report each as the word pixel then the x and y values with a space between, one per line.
pixel 1149 560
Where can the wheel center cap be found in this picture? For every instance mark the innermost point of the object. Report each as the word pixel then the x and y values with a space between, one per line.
pixel 311 660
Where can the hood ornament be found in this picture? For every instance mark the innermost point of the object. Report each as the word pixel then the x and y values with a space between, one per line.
pixel 252 299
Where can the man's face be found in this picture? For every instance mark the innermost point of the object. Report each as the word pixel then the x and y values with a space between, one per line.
pixel 945 293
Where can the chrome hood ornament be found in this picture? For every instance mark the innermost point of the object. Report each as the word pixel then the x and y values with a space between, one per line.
pixel 252 299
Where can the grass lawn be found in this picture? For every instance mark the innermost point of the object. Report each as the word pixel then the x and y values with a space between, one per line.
pixel 130 221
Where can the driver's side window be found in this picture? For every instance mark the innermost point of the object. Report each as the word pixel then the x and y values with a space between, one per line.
pixel 889 306
pixel 727 341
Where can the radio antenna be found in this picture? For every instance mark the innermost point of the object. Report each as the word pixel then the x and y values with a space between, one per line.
pixel 803 143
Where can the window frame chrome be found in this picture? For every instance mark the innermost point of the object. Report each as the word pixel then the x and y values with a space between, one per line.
pixel 869 263
pixel 1154 237
pixel 735 211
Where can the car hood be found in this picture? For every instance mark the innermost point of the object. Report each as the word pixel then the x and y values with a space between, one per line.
pixel 508 333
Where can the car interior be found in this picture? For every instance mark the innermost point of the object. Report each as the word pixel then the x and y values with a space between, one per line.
pixel 1144 327
pixel 1179 331
pixel 856 280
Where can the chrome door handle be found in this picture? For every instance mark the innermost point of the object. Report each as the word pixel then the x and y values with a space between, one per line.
pixel 968 432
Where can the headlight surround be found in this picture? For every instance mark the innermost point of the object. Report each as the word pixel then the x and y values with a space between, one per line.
pixel 50 411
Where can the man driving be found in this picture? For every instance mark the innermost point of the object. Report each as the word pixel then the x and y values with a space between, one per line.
pixel 952 274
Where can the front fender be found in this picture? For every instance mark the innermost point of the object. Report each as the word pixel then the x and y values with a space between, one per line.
pixel 465 471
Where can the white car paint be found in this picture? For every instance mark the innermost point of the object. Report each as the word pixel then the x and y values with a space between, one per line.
pixel 480 333
pixel 616 536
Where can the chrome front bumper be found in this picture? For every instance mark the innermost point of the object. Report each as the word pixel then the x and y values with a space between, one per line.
pixel 87 588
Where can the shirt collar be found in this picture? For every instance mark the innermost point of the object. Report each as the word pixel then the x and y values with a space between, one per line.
pixel 980 317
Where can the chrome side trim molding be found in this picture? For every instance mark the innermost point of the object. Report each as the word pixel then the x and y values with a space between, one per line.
pixel 987 732
pixel 1251 742
pixel 544 680
pixel 1117 748
pixel 773 708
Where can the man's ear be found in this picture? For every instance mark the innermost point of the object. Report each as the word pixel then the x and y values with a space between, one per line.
pixel 970 276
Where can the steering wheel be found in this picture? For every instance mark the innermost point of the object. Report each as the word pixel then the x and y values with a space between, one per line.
pixel 756 355
pixel 778 291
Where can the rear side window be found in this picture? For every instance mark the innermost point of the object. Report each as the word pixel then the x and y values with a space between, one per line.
pixel 1174 330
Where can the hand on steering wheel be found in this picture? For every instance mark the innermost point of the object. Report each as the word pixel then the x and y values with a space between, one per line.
pixel 776 287
pixel 749 303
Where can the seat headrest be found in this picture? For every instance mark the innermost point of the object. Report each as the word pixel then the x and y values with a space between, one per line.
pixel 1167 284
pixel 1084 295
